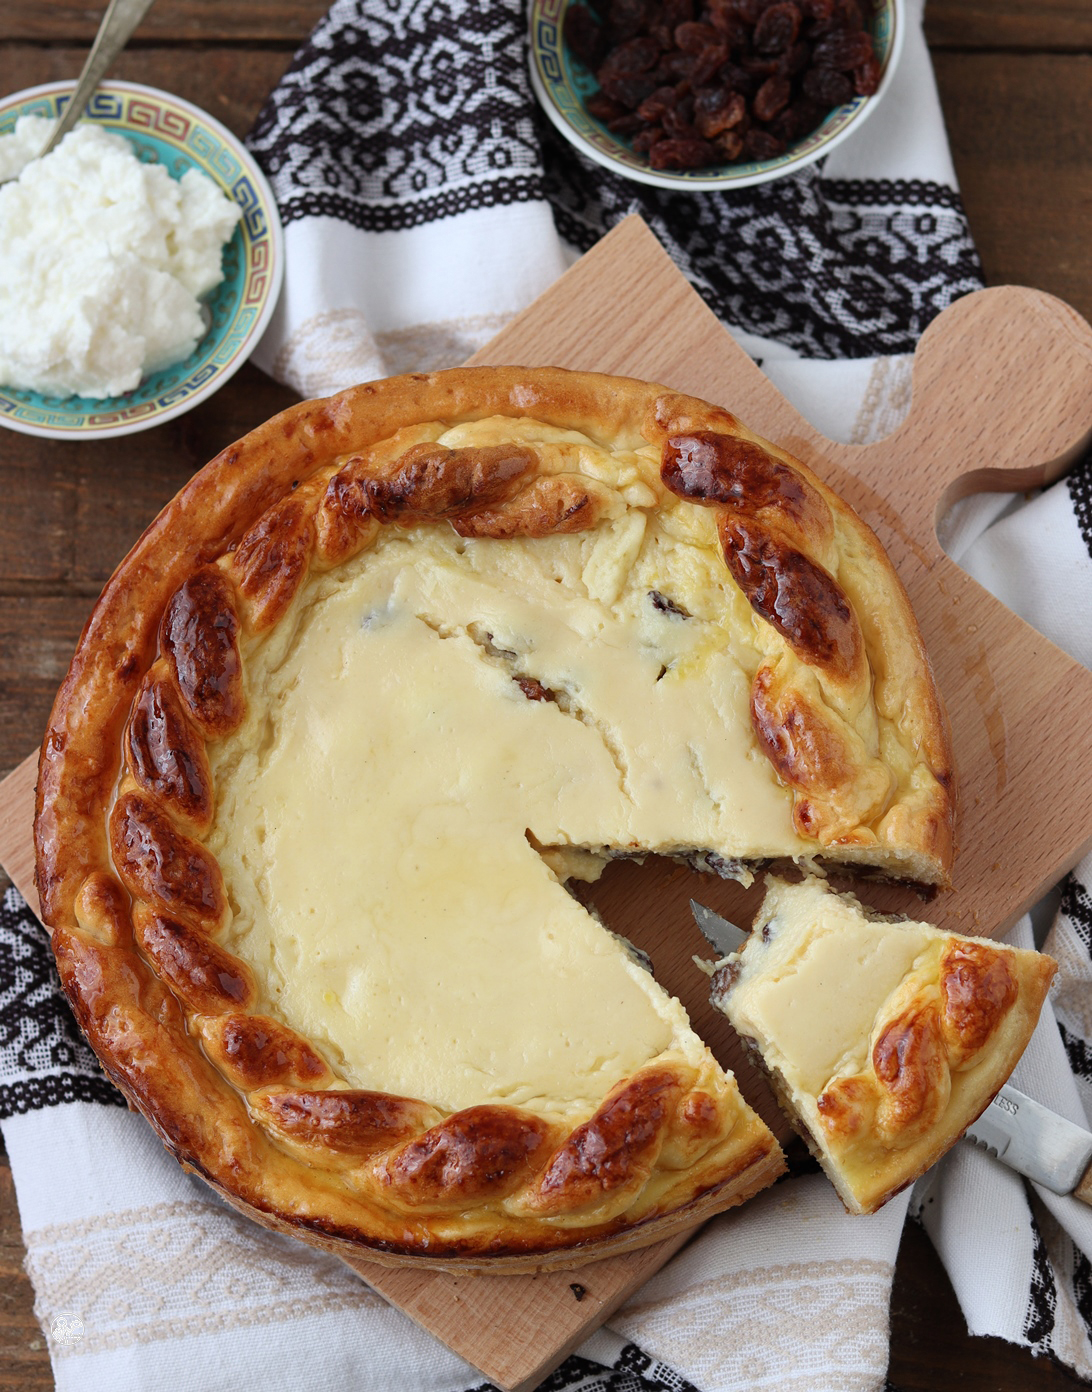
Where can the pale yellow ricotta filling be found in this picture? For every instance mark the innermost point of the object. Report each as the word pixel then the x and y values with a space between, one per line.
pixel 373 813
pixel 816 976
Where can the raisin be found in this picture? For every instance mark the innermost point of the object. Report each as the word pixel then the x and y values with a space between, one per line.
pixel 740 80
pixel 772 97
pixel 716 110
pixel 628 59
pixel 761 145
pixel 695 38
pixel 777 29
pixel 817 9
pixel 604 108
pixel 827 87
pixel 724 978
pixel 844 14
pixel 681 154
pixel 795 60
pixel 654 106
pixel 730 145
pixel 760 67
pixel 678 123
pixel 626 125
pixel 676 67
pixel 798 120
pixel 626 18
pixel 676 12
pixel 630 91
pixel 866 78
pixel 665 605
pixel 533 689
pixel 843 51
pixel 810 112
pixel 644 142
pixel 729 25
pixel 707 63
pixel 584 35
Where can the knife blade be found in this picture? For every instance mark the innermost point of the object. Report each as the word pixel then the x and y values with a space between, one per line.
pixel 1036 1142
pixel 720 933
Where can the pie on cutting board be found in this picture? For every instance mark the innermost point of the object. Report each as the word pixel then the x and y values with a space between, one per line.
pixel 883 1039
pixel 375 686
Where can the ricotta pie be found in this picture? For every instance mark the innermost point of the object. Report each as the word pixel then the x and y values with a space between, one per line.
pixel 884 1040
pixel 379 682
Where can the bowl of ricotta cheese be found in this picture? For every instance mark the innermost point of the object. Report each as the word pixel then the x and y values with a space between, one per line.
pixel 140 261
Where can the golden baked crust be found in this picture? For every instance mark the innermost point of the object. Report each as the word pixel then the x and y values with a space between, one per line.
pixel 843 705
pixel 934 1024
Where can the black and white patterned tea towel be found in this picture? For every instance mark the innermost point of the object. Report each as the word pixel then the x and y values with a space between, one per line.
pixel 426 200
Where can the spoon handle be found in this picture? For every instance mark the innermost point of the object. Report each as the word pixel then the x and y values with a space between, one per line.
pixel 118 23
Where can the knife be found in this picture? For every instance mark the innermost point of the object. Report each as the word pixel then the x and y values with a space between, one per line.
pixel 1014 1128
pixel 720 933
pixel 1037 1142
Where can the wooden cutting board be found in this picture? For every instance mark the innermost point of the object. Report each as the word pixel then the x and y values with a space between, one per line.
pixel 1002 399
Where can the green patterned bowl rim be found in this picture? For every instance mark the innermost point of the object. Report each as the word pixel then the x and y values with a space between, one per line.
pixel 168 130
pixel 560 86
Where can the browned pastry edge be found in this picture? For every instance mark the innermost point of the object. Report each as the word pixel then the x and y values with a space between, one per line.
pixel 759 1169
pixel 311 486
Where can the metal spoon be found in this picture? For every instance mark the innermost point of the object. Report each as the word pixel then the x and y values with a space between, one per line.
pixel 115 31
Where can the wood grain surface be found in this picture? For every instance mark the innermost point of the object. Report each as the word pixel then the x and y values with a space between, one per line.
pixel 282 23
pixel 1058 26
pixel 1021 137
pixel 71 511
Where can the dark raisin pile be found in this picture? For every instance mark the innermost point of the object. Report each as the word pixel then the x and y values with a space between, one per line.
pixel 701 82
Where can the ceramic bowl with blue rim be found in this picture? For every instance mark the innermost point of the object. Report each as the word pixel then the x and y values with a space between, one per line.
pixel 166 130
pixel 562 85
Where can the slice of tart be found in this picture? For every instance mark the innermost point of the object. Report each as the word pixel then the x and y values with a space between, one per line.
pixel 376 684
pixel 883 1039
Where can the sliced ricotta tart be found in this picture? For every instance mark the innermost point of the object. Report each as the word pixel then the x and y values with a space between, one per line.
pixel 883 1039
pixel 384 677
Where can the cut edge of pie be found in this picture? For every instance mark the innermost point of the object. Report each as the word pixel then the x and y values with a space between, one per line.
pixel 883 1039
pixel 137 904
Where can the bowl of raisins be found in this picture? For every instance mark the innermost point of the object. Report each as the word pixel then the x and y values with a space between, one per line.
pixel 708 94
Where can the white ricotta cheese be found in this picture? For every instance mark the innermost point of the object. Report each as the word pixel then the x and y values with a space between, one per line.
pixel 102 261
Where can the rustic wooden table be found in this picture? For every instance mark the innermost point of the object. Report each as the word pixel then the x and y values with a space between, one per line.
pixel 1015 79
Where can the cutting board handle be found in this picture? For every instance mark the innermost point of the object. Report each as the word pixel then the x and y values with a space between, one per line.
pixel 1002 400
